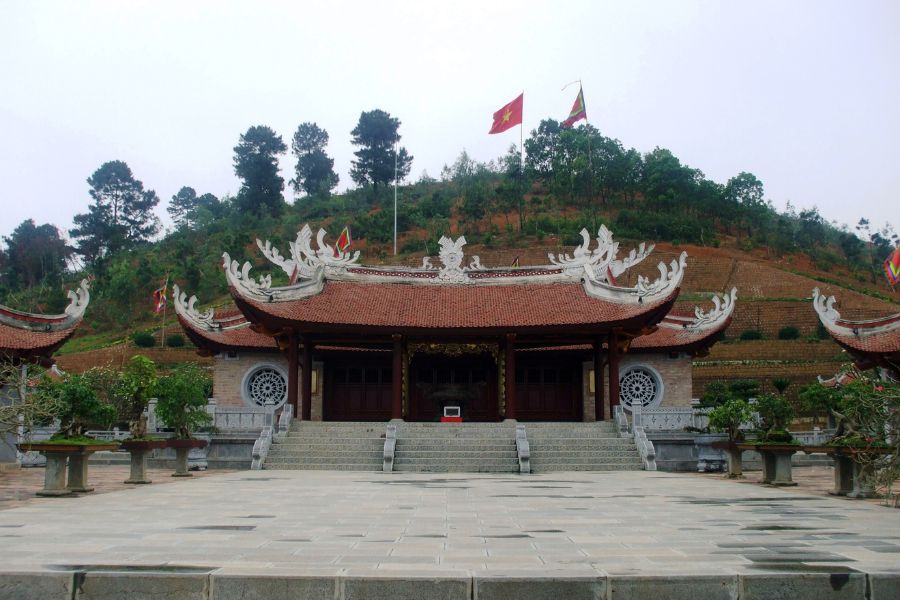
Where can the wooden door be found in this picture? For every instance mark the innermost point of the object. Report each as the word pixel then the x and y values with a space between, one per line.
pixel 548 390
pixel 358 391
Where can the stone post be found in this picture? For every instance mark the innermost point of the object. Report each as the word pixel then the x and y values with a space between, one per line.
pixel 55 475
pixel 181 460
pixel 78 469
pixel 138 466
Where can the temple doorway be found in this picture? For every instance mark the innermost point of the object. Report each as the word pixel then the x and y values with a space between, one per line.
pixel 468 381
pixel 358 391
pixel 548 389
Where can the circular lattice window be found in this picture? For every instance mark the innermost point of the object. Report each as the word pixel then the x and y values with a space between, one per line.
pixel 266 386
pixel 640 385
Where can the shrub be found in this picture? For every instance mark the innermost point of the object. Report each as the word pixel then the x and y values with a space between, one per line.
pixel 728 418
pixel 781 384
pixel 175 340
pixel 775 414
pixel 182 399
pixel 789 333
pixel 77 405
pixel 143 340
pixel 751 334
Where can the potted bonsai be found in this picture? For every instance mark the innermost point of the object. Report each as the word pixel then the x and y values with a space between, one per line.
pixel 181 405
pixel 728 417
pixel 76 404
pixel 132 389
pixel 774 442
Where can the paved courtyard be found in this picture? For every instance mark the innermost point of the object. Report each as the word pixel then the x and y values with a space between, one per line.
pixel 342 535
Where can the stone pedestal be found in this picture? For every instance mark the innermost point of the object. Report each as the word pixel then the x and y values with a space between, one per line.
pixel 843 475
pixel 181 462
pixel 55 476
pixel 138 466
pixel 777 467
pixel 862 482
pixel 733 456
pixel 78 472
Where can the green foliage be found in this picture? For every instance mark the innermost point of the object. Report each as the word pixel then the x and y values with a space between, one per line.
pixel 256 163
pixel 775 414
pixel 121 216
pixel 78 405
pixel 314 171
pixel 789 332
pixel 718 393
pixel 751 334
pixel 182 396
pixel 375 136
pixel 143 339
pixel 781 384
pixel 188 210
pixel 729 416
pixel 175 340
pixel 35 254
pixel 817 399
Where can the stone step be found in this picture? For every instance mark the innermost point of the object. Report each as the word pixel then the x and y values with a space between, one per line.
pixel 468 468
pixel 430 455
pixel 326 452
pixel 549 468
pixel 327 467
pixel 545 455
pixel 323 461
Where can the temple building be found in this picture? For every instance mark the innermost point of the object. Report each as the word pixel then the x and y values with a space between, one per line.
pixel 873 343
pixel 348 342
pixel 33 338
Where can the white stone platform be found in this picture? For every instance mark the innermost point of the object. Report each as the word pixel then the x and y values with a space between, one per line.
pixel 340 535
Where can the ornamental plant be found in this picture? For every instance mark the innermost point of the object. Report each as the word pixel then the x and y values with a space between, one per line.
pixel 775 414
pixel 182 398
pixel 729 416
pixel 77 405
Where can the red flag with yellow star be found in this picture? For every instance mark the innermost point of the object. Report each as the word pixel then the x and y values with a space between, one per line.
pixel 508 116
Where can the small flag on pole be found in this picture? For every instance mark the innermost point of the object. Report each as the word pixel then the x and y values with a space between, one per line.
pixel 508 116
pixel 578 111
pixel 343 242
pixel 892 267
pixel 160 297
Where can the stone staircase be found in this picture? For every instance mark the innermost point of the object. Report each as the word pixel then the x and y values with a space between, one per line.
pixel 580 447
pixel 456 448
pixel 329 445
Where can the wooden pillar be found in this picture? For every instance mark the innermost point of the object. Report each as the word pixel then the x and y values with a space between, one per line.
pixel 397 379
pixel 598 380
pixel 306 378
pixel 510 375
pixel 613 370
pixel 293 366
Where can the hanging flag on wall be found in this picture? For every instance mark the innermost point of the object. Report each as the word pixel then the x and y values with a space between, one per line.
pixel 343 242
pixel 508 116
pixel 578 111
pixel 892 267
pixel 160 297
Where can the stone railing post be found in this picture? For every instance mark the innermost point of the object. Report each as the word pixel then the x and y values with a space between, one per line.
pixel 152 424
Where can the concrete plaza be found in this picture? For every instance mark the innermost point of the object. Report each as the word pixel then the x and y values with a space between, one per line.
pixel 314 534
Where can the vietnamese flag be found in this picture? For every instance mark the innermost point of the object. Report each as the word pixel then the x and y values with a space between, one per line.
pixel 578 111
pixel 508 116
pixel 343 242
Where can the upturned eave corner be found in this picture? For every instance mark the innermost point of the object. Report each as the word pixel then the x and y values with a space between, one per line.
pixel 79 298
pixel 718 316
pixel 186 309
pixel 645 292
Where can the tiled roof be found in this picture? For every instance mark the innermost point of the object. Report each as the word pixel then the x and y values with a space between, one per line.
pixel 18 340
pixel 885 342
pixel 454 307
pixel 672 335
pixel 236 333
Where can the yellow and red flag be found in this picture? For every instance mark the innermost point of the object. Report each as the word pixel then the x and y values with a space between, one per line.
pixel 343 242
pixel 508 116
pixel 892 267
pixel 578 111
pixel 160 297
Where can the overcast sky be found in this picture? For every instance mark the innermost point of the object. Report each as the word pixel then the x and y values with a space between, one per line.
pixel 805 95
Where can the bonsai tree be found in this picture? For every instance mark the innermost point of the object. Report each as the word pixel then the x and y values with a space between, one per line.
pixel 775 414
pixel 182 398
pixel 729 416
pixel 135 385
pixel 77 405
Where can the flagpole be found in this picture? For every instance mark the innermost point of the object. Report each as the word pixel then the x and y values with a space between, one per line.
pixel 165 306
pixel 395 198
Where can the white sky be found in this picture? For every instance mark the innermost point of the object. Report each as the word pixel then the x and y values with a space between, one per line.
pixel 805 95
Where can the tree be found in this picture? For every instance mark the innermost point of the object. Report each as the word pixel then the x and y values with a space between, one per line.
pixel 314 172
pixel 36 253
pixel 376 135
pixel 121 216
pixel 188 210
pixel 256 163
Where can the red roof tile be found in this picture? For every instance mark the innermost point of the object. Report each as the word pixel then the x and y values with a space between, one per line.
pixel 19 341
pixel 454 307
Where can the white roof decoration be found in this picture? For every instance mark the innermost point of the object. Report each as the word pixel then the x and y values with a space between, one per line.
pixel 832 320
pixel 723 308
pixel 308 269
pixel 79 298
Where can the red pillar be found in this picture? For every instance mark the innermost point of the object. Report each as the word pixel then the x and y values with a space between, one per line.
pixel 397 379
pixel 613 370
pixel 293 365
pixel 306 378
pixel 510 375
pixel 598 380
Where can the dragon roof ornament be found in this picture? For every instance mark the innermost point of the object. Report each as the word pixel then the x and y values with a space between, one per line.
pixel 602 259
pixel 669 279
pixel 723 308
pixel 185 308
pixel 305 262
pixel 78 300
pixel 832 320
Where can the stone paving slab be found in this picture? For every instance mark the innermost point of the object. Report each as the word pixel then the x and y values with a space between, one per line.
pixel 340 535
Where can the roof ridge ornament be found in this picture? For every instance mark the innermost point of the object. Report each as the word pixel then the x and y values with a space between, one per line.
pixel 78 300
pixel 451 256
pixel 824 306
pixel 602 259
pixel 669 279
pixel 241 278
pixel 722 309
pixel 304 259
pixel 187 310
